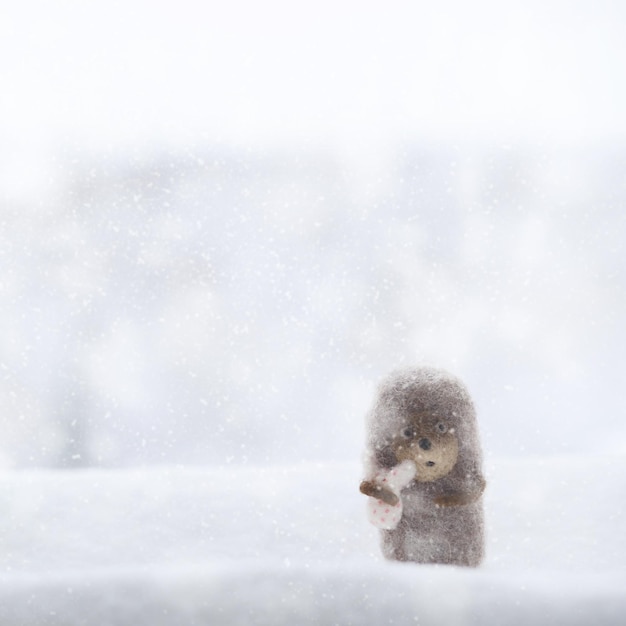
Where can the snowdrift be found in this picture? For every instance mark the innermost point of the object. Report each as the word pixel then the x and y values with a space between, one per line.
pixel 291 545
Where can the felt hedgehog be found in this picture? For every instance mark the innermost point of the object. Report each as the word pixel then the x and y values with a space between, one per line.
pixel 423 427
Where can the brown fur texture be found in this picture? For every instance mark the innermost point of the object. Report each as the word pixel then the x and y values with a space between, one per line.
pixel 426 415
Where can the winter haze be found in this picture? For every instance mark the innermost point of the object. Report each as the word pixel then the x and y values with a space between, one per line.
pixel 222 223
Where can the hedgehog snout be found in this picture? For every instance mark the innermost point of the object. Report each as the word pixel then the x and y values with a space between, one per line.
pixel 424 443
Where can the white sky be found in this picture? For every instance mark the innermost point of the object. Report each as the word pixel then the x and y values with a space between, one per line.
pixel 118 73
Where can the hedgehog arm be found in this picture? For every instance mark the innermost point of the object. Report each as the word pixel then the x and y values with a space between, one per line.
pixel 466 496
pixel 374 490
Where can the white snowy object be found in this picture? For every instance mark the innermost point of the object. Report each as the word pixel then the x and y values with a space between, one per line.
pixel 381 514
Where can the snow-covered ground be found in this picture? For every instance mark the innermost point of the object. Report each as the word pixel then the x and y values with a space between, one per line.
pixel 290 545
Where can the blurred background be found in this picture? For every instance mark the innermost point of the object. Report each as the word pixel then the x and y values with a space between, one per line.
pixel 222 223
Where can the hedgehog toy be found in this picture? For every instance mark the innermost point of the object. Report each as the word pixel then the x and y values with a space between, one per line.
pixel 424 471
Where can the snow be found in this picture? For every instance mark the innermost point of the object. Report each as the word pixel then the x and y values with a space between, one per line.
pixel 292 545
pixel 207 268
pixel 485 69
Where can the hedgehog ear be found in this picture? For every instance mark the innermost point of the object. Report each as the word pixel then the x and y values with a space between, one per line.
pixel 385 457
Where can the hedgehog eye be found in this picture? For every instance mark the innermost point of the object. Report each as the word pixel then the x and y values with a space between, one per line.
pixel 441 427
pixel 409 433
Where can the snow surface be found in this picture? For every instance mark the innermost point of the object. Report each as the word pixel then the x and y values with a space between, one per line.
pixel 291 545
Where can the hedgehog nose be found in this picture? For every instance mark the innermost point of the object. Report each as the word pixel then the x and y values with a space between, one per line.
pixel 424 444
